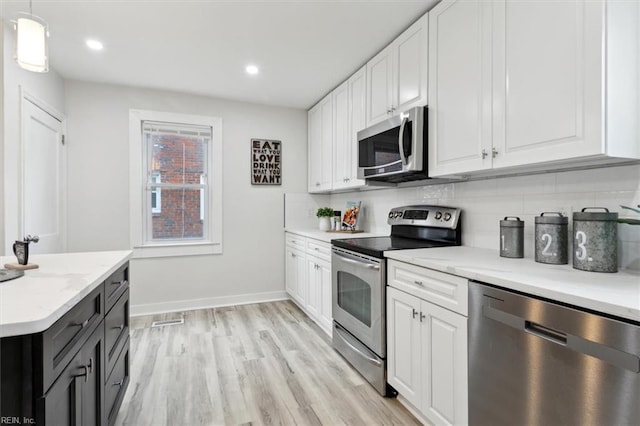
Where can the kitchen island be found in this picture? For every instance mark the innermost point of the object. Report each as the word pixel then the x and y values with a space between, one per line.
pixel 64 339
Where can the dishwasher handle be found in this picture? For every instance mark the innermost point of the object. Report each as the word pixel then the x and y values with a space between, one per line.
pixel 578 344
pixel 547 333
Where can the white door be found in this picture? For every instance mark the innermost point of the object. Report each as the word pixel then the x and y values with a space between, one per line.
pixel 460 137
pixel 341 141
pixel 404 346
pixel 379 86
pixel 547 80
pixel 43 179
pixel 412 63
pixel 444 359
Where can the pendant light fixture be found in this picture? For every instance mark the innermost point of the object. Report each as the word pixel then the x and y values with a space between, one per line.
pixel 32 47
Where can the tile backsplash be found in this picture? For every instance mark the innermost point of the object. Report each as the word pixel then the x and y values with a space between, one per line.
pixel 485 202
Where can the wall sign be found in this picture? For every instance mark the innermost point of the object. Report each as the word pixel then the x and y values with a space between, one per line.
pixel 266 156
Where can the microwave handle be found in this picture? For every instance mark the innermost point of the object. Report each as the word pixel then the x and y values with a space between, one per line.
pixel 381 165
pixel 401 139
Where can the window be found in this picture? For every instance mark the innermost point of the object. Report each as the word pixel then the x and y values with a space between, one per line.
pixel 156 193
pixel 176 173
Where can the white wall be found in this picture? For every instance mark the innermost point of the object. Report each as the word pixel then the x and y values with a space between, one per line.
pixel 49 88
pixel 252 264
pixel 486 202
pixel 2 109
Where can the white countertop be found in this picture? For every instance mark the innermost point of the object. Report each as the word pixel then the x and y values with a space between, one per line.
pixel 32 303
pixel 328 236
pixel 612 293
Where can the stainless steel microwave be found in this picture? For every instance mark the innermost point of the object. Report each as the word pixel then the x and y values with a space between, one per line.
pixel 395 150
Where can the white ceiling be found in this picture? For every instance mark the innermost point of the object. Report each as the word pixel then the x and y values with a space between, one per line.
pixel 304 48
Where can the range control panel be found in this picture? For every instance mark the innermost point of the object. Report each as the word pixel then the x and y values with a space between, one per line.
pixel 421 215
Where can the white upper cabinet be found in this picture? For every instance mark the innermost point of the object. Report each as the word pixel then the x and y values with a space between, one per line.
pixel 320 119
pixel 547 80
pixel 349 117
pixel 397 76
pixel 459 84
pixel 517 85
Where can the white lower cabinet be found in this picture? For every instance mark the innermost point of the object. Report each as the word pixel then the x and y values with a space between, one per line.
pixel 427 345
pixel 308 278
pixel 296 274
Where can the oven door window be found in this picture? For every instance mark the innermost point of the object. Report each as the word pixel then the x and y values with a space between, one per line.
pixel 354 297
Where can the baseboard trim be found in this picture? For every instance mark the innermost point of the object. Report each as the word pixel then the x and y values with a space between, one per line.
pixel 206 303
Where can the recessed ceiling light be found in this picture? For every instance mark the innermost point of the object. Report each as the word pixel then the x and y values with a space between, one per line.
pixel 94 45
pixel 252 69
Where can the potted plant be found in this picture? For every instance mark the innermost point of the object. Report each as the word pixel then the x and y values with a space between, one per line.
pixel 324 214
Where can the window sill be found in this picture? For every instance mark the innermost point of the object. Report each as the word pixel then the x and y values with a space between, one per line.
pixel 176 249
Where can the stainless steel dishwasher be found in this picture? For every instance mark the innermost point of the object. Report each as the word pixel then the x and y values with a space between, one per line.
pixel 535 362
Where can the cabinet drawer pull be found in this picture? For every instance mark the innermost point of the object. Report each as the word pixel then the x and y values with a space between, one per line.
pixel 413 313
pixel 90 366
pixel 118 383
pixel 494 152
pixel 123 282
pixel 416 282
pixel 484 153
pixel 81 325
pixel 422 316
pixel 118 327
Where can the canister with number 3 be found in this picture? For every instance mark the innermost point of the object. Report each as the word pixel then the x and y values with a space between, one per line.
pixel 595 240
pixel 551 230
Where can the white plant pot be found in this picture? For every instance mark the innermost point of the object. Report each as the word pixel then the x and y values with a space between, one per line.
pixel 324 223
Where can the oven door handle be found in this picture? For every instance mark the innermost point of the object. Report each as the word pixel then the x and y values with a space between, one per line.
pixel 345 340
pixel 357 262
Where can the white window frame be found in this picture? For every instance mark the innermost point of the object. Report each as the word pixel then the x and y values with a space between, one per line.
pixel 156 178
pixel 139 195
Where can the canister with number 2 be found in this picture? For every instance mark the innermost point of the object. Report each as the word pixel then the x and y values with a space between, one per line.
pixel 552 234
pixel 595 240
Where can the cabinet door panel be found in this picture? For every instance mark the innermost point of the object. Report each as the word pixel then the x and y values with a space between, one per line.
pixel 444 336
pixel 92 354
pixel 62 405
pixel 327 144
pixel 341 153
pixel 315 153
pixel 547 79
pixel 379 88
pixel 357 122
pixel 403 345
pixel 313 287
pixel 412 61
pixel 459 87
pixel 325 316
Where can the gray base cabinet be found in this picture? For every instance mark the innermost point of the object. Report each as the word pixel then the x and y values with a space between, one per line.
pixel 76 372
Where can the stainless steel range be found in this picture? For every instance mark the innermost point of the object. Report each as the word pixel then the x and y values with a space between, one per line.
pixel 358 269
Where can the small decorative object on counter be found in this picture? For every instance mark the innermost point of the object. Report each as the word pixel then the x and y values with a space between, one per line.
pixel 552 234
pixel 512 237
pixel 336 220
pixel 595 240
pixel 350 219
pixel 21 250
pixel 324 214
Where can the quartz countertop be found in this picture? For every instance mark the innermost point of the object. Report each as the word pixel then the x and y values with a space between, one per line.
pixel 610 293
pixel 328 236
pixel 32 303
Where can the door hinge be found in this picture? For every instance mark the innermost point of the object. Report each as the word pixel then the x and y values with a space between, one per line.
pixel 62 140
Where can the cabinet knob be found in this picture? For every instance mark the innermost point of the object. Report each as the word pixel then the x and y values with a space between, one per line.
pixel 416 282
pixel 118 327
pixel 317 183
pixel 117 383
pixel 494 152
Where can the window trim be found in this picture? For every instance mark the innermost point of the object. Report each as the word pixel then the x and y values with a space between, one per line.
pixel 138 182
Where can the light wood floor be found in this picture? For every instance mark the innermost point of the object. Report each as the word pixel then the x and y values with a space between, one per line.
pixel 253 364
